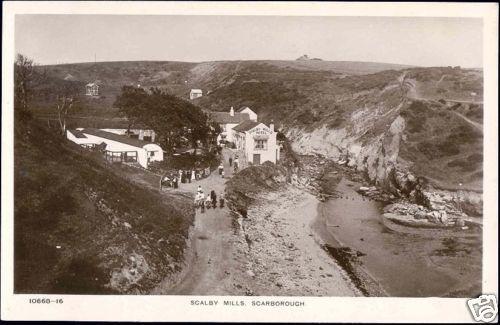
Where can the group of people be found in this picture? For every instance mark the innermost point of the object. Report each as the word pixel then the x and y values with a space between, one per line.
pixel 183 176
pixel 235 162
pixel 210 201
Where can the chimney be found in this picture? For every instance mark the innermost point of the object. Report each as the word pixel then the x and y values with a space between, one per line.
pixel 231 112
pixel 271 125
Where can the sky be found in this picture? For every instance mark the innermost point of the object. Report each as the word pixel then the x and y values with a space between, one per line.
pixel 53 39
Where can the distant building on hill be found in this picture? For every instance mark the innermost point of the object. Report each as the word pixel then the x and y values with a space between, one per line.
pixel 117 148
pixel 92 89
pixel 195 93
pixel 256 142
pixel 227 121
pixel 247 110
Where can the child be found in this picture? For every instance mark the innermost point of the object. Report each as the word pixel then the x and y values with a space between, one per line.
pixel 208 202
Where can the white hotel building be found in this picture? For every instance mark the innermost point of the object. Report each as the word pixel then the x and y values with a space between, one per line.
pixel 256 142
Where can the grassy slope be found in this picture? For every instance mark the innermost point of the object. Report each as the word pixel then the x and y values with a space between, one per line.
pixel 442 146
pixel 115 237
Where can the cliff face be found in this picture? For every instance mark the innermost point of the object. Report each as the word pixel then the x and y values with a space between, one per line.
pixel 391 146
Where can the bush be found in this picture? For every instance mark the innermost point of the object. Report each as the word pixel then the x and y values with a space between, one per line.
pixel 438 150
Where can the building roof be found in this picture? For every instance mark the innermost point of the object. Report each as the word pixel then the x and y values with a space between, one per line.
pixel 77 134
pixel 243 108
pixel 115 137
pixel 245 126
pixel 226 118
pixel 196 91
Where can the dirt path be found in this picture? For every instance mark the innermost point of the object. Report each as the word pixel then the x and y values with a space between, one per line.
pixel 212 244
pixel 476 125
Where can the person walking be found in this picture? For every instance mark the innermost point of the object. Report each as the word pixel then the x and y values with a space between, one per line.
pixel 208 202
pixel 221 199
pixel 213 196
pixel 199 190
pixel 236 163
pixel 165 182
pixel 221 168
pixel 222 175
pixel 176 182
pixel 230 161
pixel 193 175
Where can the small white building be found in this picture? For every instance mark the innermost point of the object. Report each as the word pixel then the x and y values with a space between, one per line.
pixel 118 148
pixel 141 134
pixel 195 93
pixel 256 142
pixel 92 89
pixel 251 114
pixel 227 121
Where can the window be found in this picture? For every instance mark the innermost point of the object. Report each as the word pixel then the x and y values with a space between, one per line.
pixel 260 144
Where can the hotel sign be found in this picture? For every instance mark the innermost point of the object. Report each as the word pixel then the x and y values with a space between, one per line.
pixel 261 131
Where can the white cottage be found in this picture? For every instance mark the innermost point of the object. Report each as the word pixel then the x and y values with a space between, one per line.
pixel 195 93
pixel 92 89
pixel 251 114
pixel 227 121
pixel 256 142
pixel 118 148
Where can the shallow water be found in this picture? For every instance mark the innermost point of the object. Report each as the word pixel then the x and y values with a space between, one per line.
pixel 405 265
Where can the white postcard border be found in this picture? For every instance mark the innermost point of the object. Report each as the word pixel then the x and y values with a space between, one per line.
pixel 179 308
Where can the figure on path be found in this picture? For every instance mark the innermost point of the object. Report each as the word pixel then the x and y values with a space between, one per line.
pixel 230 161
pixel 208 202
pixel 221 199
pixel 213 196
pixel 221 168
pixel 236 164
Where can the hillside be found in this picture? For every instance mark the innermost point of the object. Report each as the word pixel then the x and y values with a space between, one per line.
pixel 427 121
pixel 177 77
pixel 81 228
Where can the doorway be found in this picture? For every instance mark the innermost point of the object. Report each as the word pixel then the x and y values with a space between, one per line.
pixel 256 159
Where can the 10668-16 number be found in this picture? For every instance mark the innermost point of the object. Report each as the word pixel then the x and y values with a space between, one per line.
pixel 45 301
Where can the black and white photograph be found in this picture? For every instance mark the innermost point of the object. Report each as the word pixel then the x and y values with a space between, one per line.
pixel 249 160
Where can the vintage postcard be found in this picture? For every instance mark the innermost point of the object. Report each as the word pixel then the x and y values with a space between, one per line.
pixel 250 161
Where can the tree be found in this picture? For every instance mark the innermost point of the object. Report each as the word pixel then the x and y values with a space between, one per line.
pixel 23 77
pixel 173 119
pixel 66 100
